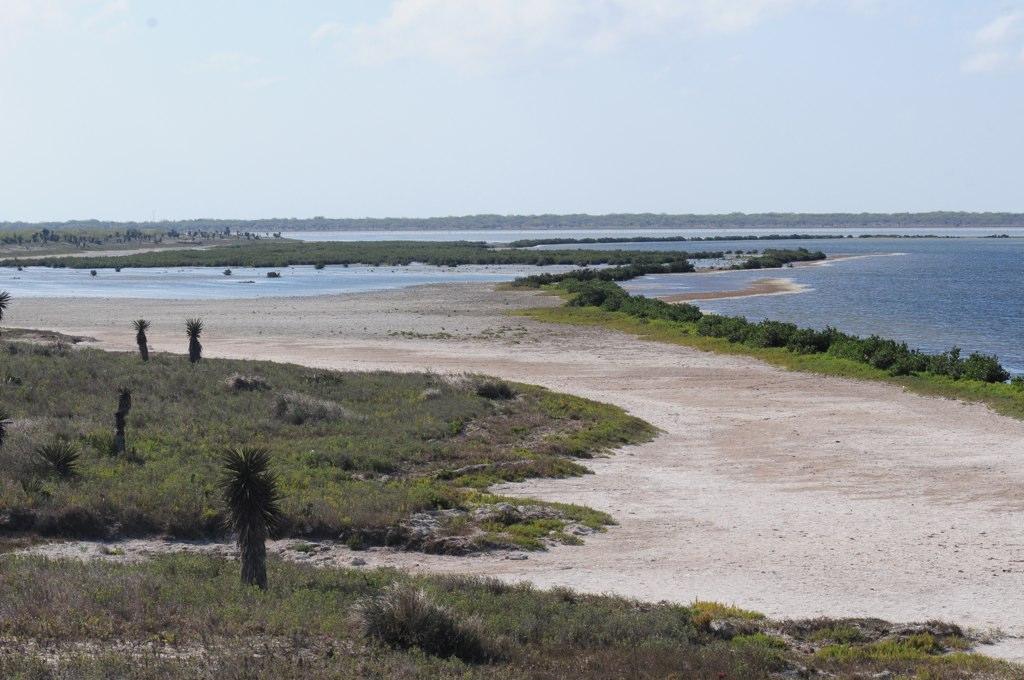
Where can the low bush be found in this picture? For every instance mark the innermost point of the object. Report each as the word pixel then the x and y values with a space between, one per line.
pixel 403 616
pixel 495 389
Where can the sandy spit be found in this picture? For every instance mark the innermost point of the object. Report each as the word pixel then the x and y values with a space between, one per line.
pixel 756 288
pixel 793 494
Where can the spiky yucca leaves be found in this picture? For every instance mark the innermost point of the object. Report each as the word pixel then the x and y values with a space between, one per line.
pixel 193 329
pixel 124 405
pixel 141 326
pixel 5 300
pixel 5 421
pixel 59 457
pixel 253 503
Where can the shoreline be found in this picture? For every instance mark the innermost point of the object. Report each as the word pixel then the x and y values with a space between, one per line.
pixel 789 493
pixel 758 288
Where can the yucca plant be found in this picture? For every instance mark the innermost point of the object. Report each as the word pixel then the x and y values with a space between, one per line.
pixel 193 329
pixel 141 326
pixel 5 422
pixel 124 405
pixel 5 300
pixel 59 457
pixel 253 504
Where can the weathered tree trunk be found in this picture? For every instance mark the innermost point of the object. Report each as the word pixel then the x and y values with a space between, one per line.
pixel 143 346
pixel 254 560
pixel 195 350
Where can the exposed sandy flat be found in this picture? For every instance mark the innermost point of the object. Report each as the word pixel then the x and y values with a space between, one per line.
pixel 789 493
pixel 756 288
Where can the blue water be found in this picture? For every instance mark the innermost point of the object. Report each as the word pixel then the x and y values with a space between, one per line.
pixel 192 283
pixel 931 293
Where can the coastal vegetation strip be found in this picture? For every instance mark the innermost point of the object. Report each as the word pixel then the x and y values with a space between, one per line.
pixel 975 377
pixel 187 616
pixel 769 259
pixel 282 253
pixel 98 444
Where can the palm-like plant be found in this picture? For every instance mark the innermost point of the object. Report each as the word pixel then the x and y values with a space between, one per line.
pixel 5 300
pixel 5 422
pixel 60 457
pixel 141 326
pixel 193 329
pixel 253 503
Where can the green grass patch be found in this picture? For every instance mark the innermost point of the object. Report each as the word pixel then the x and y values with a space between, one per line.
pixel 356 454
pixel 187 616
pixel 1004 398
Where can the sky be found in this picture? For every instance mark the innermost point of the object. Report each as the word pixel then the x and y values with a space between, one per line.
pixel 161 109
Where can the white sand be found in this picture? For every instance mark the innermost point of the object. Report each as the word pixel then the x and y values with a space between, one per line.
pixel 793 494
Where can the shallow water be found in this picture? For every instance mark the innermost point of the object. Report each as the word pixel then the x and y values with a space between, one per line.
pixel 932 293
pixel 192 283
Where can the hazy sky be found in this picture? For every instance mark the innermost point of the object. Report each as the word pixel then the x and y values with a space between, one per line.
pixel 134 109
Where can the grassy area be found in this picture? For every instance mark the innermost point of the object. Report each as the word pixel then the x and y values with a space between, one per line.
pixel 187 616
pixel 1002 397
pixel 375 458
pixel 282 253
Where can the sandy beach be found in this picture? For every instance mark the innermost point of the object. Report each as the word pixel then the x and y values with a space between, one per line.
pixel 793 494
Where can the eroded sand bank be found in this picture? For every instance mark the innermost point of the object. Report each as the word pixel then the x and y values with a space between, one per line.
pixel 793 494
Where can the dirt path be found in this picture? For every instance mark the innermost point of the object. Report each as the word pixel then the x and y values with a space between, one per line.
pixel 788 493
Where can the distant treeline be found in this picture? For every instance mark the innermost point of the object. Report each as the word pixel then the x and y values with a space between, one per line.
pixel 534 242
pixel 770 259
pixel 574 221
pixel 891 356
pixel 279 253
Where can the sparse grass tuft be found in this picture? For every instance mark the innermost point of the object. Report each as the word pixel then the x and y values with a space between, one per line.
pixel 404 616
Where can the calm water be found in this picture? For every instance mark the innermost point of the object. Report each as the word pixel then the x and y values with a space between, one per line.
pixel 191 283
pixel 931 293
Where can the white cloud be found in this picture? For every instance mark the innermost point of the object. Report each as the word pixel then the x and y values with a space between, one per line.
pixel 996 43
pixel 262 83
pixel 228 62
pixel 326 31
pixel 475 34
pixel 999 29
pixel 983 62
pixel 20 17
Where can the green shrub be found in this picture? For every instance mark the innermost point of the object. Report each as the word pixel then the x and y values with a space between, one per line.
pixel 403 617
pixel 495 389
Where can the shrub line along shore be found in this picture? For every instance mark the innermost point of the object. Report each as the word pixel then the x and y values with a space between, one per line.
pixel 590 301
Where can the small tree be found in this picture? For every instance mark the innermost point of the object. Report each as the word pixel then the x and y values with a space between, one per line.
pixel 193 329
pixel 253 503
pixel 141 326
pixel 124 405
